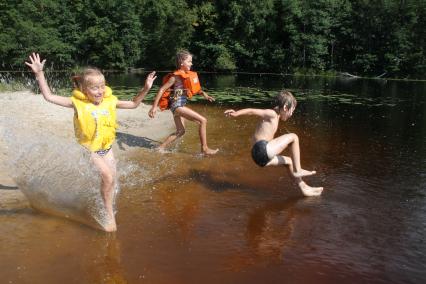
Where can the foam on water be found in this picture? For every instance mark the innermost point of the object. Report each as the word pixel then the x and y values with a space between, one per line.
pixel 54 173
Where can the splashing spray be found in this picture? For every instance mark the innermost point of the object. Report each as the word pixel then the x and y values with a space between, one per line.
pixel 55 174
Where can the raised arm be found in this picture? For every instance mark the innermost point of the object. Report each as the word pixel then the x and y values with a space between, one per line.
pixel 264 113
pixel 37 67
pixel 141 95
pixel 160 92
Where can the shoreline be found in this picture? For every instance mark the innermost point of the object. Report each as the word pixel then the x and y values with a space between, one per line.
pixel 136 130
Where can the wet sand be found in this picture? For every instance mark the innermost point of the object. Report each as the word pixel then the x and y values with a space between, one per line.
pixel 135 130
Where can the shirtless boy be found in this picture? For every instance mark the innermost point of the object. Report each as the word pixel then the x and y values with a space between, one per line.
pixel 266 150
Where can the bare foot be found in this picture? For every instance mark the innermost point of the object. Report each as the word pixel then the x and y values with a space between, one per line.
pixel 110 227
pixel 303 173
pixel 209 151
pixel 309 190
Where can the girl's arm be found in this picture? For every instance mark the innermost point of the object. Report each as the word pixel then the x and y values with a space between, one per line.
pixel 37 67
pixel 207 97
pixel 141 95
pixel 160 92
pixel 264 113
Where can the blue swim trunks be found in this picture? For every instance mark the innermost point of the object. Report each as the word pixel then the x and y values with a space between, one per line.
pixel 178 99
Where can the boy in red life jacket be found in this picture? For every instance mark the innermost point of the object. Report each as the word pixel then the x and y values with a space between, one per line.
pixel 183 84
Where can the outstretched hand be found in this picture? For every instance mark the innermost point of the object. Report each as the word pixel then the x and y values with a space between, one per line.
pixel 36 65
pixel 230 112
pixel 150 80
pixel 207 97
pixel 152 112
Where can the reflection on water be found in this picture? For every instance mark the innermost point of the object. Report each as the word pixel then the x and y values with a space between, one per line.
pixel 105 264
pixel 187 219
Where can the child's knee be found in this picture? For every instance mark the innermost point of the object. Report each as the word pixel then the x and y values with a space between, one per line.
pixel 202 120
pixel 287 161
pixel 294 137
pixel 180 132
pixel 108 179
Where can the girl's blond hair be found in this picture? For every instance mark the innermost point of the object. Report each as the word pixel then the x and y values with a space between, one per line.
pixel 81 80
pixel 181 55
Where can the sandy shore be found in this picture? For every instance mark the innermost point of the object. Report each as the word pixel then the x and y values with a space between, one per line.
pixel 136 130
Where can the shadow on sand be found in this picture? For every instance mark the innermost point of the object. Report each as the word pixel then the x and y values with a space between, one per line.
pixel 135 141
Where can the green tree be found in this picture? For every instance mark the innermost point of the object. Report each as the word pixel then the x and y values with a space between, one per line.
pixel 167 26
pixel 30 27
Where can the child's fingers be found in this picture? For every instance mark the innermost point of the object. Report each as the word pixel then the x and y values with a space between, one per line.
pixel 229 112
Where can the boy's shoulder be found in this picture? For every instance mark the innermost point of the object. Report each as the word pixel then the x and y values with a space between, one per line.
pixel 263 113
pixel 269 112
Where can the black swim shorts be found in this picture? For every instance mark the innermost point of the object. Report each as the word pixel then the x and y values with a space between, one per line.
pixel 259 154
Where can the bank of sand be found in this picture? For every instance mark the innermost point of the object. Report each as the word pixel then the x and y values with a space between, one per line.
pixel 136 131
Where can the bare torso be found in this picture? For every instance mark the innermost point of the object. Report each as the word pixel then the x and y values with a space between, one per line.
pixel 266 128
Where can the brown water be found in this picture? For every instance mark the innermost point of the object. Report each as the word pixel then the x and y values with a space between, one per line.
pixel 224 220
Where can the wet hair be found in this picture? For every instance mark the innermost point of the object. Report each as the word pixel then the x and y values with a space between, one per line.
pixel 285 98
pixel 181 55
pixel 81 80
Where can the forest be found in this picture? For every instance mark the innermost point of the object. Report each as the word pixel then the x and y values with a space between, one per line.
pixel 369 38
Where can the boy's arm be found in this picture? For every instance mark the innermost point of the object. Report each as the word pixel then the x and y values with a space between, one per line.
pixel 37 67
pixel 160 92
pixel 264 113
pixel 141 95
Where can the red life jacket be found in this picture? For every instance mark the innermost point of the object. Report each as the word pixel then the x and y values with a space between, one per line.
pixel 190 82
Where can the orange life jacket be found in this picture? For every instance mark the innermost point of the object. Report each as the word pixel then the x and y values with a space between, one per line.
pixel 190 82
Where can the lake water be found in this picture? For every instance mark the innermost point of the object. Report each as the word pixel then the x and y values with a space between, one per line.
pixel 222 219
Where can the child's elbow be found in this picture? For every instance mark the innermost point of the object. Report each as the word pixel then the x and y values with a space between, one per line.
pixel 135 105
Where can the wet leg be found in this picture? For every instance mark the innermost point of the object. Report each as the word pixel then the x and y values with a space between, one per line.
pixel 180 131
pixel 202 130
pixel 107 187
pixel 277 145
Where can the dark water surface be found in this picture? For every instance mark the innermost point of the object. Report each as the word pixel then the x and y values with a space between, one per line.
pixel 224 220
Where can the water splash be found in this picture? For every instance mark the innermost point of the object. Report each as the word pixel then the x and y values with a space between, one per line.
pixel 55 174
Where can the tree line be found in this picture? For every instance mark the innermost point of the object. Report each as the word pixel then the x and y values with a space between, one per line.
pixel 361 37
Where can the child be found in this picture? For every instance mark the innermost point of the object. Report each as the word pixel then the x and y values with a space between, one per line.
pixel 266 149
pixel 94 121
pixel 177 102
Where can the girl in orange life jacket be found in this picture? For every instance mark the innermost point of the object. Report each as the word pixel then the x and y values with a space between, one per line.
pixel 177 102
pixel 94 121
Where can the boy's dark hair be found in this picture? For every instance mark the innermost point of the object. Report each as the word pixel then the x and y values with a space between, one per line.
pixel 285 98
pixel 181 55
